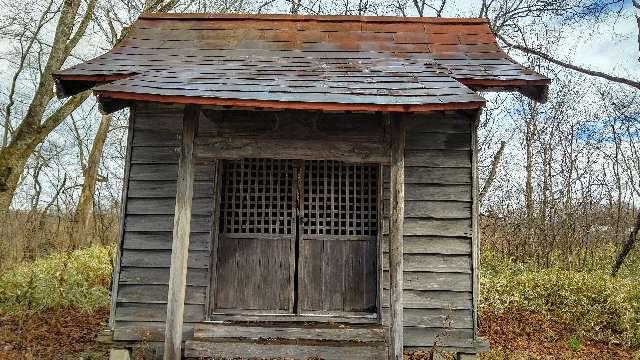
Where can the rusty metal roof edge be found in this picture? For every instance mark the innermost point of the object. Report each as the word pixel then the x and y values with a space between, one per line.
pixel 106 96
pixel 328 18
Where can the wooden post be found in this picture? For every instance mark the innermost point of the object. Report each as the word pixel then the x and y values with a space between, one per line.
pixel 396 231
pixel 181 231
pixel 475 221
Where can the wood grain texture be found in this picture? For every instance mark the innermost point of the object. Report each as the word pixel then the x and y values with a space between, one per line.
pixel 475 223
pixel 145 331
pixel 432 299
pixel 156 312
pixel 235 350
pixel 162 259
pixel 351 151
pixel 435 227
pixel 337 333
pixel 396 236
pixel 434 318
pixel 180 245
pixel 438 281
pixel 161 240
pixel 434 245
pixel 159 276
pixel 157 294
pixel 115 275
pixel 434 263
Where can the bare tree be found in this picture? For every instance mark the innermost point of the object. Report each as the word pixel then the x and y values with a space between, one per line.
pixel 37 123
pixel 82 216
pixel 504 16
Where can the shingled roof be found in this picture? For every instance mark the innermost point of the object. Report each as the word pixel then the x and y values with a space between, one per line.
pixel 303 62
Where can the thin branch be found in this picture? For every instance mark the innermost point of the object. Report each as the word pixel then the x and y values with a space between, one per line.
pixel 82 27
pixel 549 58
pixel 60 114
pixel 636 4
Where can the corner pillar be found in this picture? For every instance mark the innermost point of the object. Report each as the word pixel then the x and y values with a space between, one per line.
pixel 181 232
pixel 396 231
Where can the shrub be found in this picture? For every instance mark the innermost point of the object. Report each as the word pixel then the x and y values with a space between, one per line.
pixel 78 280
pixel 574 343
pixel 599 306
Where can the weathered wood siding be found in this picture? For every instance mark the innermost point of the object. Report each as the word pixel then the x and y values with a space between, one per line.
pixel 437 229
pixel 146 248
pixel 438 222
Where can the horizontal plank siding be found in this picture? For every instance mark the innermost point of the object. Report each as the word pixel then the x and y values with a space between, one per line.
pixel 155 312
pixel 160 276
pixel 199 223
pixel 159 240
pixel 433 175
pixel 432 299
pixel 157 294
pixel 436 209
pixel 198 259
pixel 427 280
pixel 155 172
pixel 434 263
pixel 146 255
pixel 434 245
pixel 449 318
pixel 165 206
pixel 162 188
pixel 434 227
pixel 437 233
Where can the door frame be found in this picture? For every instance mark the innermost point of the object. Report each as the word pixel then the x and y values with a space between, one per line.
pixel 295 315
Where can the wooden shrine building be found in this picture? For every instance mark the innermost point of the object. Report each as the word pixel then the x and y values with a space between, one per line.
pixel 299 186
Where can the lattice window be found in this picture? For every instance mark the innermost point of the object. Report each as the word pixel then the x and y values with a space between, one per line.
pixel 257 197
pixel 340 198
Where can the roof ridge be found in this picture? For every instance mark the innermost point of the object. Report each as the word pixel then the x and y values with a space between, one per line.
pixel 327 18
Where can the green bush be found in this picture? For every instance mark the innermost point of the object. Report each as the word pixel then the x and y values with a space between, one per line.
pixel 78 280
pixel 599 306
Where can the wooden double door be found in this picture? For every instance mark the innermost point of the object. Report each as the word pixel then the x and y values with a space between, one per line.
pixel 296 237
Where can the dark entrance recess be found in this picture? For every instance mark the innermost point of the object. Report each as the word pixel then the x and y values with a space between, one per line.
pixel 297 238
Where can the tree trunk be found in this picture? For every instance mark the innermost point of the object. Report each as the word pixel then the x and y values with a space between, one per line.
pixel 530 131
pixel 11 168
pixel 35 125
pixel 626 247
pixel 27 137
pixel 82 216
pixel 492 173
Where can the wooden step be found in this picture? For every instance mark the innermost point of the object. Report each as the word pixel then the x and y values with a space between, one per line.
pixel 293 331
pixel 202 349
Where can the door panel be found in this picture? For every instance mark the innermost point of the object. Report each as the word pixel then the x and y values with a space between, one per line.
pixel 338 238
pixel 256 245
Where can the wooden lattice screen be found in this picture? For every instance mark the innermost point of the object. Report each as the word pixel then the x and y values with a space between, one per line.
pixel 340 199
pixel 257 197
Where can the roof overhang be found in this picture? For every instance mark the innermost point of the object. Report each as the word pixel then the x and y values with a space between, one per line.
pixel 342 63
